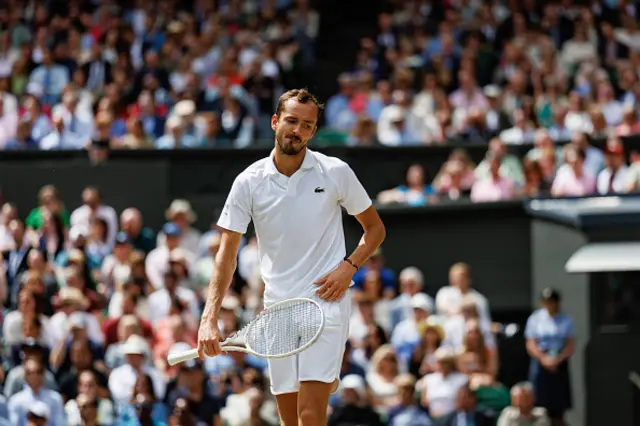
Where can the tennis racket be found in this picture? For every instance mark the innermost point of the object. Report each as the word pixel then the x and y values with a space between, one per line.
pixel 284 329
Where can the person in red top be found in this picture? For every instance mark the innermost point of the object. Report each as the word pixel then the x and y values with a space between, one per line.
pixel 110 326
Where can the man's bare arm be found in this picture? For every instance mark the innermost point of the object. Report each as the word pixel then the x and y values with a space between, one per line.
pixel 374 235
pixel 224 267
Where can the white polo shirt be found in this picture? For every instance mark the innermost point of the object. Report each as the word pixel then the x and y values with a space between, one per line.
pixel 297 219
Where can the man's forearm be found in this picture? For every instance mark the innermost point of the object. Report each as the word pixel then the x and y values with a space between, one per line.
pixel 218 286
pixel 370 241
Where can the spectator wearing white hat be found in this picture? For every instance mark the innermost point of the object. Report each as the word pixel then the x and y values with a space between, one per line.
pixel 397 133
pixel 38 414
pixel 72 305
pixel 35 400
pixel 411 283
pixel 123 379
pixel 405 335
pixel 182 214
pixel 353 407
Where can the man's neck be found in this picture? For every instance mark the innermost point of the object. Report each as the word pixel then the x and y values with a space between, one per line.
pixel 288 164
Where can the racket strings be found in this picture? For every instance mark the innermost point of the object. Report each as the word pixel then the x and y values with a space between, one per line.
pixel 284 329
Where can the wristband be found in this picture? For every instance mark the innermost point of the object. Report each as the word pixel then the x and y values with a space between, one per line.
pixel 346 259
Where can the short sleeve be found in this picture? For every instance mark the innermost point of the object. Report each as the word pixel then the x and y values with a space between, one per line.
pixel 529 332
pixel 353 196
pixel 570 330
pixel 236 213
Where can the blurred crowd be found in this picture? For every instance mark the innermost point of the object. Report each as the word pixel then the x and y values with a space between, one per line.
pixel 499 73
pixel 575 169
pixel 95 301
pixel 471 70
pixel 147 74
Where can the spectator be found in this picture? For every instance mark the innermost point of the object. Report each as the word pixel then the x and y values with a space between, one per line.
pixel 353 407
pixel 572 179
pixel 523 408
pixel 136 375
pixel 449 298
pixel 35 399
pixel 613 178
pixel 181 213
pixel 381 377
pixel 465 411
pixel 411 283
pixel 376 263
pixel 408 411
pixel 415 193
pixel 441 388
pixel 550 338
pixel 93 206
pixel 132 223
pixel 405 335
pixel 423 359
pixel 496 187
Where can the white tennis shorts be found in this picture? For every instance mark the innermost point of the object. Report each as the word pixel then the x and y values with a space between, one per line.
pixel 322 361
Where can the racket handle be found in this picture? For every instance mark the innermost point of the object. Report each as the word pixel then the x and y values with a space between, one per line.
pixel 179 357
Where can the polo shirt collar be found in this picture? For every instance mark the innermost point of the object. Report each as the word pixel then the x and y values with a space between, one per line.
pixel 308 163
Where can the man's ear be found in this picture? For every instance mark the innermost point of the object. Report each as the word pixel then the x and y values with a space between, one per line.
pixel 274 122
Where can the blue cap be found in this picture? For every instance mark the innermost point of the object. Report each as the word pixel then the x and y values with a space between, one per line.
pixel 170 229
pixel 122 238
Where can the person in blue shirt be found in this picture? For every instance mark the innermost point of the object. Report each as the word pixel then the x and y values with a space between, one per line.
pixel 550 338
pixel 414 193
pixel 23 140
pixel 387 276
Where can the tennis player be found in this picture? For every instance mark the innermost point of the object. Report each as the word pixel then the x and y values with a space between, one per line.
pixel 294 198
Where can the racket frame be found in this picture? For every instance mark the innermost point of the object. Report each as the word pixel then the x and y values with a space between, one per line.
pixel 227 346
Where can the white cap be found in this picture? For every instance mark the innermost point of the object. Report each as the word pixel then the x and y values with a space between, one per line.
pixel 39 408
pixel 355 382
pixel 422 301
pixel 174 122
pixel 395 113
pixel 77 320
pixel 230 303
pixel 184 108
pixel 135 345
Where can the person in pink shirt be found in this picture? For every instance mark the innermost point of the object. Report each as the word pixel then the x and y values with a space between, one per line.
pixel 495 187
pixel 572 179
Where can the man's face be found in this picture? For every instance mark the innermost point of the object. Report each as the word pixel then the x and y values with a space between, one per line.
pixel 295 126
pixel 16 229
pixel 523 400
pixel 90 198
pixel 460 278
pixel 466 401
pixel 420 314
pixel 409 286
pixel 34 374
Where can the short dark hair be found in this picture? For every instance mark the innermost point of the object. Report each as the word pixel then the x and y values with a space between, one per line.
pixel 301 95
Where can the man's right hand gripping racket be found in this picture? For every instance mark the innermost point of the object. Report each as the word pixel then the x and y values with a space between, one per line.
pixel 282 330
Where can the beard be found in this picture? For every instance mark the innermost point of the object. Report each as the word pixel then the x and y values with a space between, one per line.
pixel 290 145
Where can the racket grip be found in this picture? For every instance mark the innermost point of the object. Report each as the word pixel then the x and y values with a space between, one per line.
pixel 176 358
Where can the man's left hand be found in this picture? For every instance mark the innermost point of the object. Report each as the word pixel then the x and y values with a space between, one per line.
pixel 335 284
